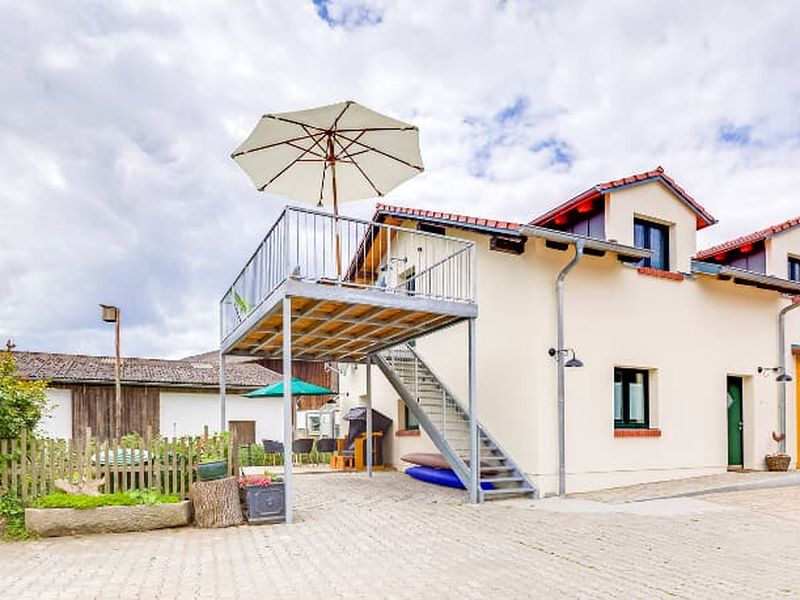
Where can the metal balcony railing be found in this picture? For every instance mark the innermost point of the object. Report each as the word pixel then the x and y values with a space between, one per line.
pixel 312 246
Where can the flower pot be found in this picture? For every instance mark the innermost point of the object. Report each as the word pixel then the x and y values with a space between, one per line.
pixel 778 462
pixel 264 503
pixel 208 471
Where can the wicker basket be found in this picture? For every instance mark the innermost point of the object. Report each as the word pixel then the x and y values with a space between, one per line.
pixel 778 462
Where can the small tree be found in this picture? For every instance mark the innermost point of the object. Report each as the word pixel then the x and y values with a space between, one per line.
pixel 22 403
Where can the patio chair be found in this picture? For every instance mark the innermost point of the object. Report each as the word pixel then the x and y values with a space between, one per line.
pixel 326 446
pixel 272 448
pixel 301 447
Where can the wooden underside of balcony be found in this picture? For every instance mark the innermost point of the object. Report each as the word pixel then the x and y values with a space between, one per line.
pixel 334 323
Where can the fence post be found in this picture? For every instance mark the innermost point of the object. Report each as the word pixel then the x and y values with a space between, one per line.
pixel 23 465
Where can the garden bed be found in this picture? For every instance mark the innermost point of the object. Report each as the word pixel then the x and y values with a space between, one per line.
pixel 113 513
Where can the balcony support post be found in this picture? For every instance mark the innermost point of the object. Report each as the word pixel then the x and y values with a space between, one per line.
pixel 288 426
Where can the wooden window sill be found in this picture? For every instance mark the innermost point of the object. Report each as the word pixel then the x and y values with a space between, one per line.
pixel 625 433
pixel 672 276
pixel 407 433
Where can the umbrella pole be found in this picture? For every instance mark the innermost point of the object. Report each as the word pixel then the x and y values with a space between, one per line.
pixel 332 161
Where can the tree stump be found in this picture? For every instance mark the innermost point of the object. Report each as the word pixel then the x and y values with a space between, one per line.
pixel 216 503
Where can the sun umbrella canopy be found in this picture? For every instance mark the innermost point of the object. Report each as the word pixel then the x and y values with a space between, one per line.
pixel 330 154
pixel 299 388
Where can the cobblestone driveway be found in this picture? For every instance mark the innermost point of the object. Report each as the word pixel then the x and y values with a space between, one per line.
pixel 396 537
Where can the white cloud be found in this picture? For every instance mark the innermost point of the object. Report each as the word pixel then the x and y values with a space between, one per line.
pixel 117 119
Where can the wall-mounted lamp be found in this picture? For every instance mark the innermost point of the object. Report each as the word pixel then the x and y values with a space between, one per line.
pixel 393 259
pixel 783 376
pixel 573 362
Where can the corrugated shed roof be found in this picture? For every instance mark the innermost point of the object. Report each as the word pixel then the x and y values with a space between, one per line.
pixel 143 371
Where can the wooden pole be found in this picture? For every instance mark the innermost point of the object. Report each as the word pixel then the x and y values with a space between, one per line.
pixel 332 163
pixel 117 373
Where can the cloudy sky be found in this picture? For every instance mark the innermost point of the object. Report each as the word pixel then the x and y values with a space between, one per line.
pixel 117 120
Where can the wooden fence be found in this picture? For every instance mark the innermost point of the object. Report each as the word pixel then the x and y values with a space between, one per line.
pixel 29 466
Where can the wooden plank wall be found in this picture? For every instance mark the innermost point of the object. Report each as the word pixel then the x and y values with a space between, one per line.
pixel 93 407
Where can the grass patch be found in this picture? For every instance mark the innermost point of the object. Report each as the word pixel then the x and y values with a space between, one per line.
pixel 81 502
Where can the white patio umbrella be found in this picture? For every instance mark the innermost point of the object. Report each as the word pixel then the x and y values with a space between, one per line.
pixel 330 154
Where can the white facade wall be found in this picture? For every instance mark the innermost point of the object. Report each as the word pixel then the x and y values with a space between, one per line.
pixel 186 413
pixel 58 424
pixel 692 334
pixel 779 248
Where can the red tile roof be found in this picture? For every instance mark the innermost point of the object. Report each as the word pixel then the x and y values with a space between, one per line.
pixel 704 218
pixel 454 220
pixel 750 238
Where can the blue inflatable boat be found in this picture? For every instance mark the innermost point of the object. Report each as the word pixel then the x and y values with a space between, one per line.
pixel 445 477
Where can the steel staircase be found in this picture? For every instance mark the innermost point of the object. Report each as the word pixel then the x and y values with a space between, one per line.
pixel 446 422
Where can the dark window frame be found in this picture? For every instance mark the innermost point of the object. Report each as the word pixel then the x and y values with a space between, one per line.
pixel 626 376
pixel 794 269
pixel 661 263
pixel 407 417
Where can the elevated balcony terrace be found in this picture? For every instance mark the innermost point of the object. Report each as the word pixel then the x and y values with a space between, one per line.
pixel 355 287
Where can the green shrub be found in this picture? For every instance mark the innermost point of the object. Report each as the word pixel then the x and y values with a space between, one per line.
pixel 13 513
pixel 129 498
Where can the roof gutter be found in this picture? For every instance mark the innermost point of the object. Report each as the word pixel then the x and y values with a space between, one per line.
pixel 782 365
pixel 591 245
pixel 744 277
pixel 560 355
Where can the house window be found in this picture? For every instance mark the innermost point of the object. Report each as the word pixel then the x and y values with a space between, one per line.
pixel 631 398
pixel 409 419
pixel 408 281
pixel 794 269
pixel 655 237
pixel 313 423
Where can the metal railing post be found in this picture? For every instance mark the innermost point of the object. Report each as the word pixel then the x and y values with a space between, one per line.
pixel 369 417
pixel 288 409
pixel 474 460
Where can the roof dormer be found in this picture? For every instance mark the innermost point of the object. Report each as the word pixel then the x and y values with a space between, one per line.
pixel 773 251
pixel 648 210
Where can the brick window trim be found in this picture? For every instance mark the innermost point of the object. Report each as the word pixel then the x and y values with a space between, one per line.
pixel 632 433
pixel 407 433
pixel 650 272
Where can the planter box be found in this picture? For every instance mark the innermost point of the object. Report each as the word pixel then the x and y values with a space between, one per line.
pixel 264 503
pixel 49 522
pixel 210 471
pixel 777 462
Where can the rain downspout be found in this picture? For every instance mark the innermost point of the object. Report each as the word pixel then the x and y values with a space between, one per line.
pixel 782 364
pixel 562 474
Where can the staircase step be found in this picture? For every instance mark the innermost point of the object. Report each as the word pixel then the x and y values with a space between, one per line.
pixel 499 492
pixel 501 479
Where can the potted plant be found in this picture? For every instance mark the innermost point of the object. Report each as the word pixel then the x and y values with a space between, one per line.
pixel 778 461
pixel 212 466
pixel 263 498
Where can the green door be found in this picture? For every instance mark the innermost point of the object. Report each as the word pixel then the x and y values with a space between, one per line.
pixel 735 456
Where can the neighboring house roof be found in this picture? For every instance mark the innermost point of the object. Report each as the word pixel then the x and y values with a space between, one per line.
pixel 212 356
pixel 704 218
pixel 750 238
pixel 77 368
pixel 448 219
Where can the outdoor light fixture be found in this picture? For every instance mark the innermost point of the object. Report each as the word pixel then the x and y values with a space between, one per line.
pixel 393 259
pixel 782 377
pixel 570 363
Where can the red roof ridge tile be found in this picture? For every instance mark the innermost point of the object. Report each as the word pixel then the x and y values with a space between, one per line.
pixel 749 238
pixel 704 218
pixel 443 216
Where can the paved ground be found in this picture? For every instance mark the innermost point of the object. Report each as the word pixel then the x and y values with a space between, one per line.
pixel 396 537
